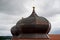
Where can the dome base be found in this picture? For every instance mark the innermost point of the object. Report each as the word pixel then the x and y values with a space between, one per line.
pixel 33 36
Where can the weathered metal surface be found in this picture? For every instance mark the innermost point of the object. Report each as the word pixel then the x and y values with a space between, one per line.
pixel 31 25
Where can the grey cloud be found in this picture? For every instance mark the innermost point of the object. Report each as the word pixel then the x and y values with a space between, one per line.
pixel 16 7
pixel 12 6
pixel 5 33
pixel 4 27
pixel 12 10
pixel 51 13
pixel 55 24
pixel 48 10
pixel 57 31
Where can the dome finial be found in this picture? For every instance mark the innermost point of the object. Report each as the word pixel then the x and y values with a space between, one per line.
pixel 33 9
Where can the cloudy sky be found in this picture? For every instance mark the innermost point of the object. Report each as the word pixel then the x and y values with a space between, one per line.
pixel 13 10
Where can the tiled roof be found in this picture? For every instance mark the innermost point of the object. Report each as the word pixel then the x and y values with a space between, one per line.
pixel 52 37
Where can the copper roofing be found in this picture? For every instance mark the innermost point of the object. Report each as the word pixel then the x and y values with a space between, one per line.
pixel 32 25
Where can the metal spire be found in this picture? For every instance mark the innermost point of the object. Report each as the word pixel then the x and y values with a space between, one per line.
pixel 33 9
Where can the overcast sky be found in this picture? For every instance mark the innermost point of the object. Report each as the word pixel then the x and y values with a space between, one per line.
pixel 13 10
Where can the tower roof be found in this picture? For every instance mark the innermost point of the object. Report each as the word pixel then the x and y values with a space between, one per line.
pixel 32 25
pixel 33 19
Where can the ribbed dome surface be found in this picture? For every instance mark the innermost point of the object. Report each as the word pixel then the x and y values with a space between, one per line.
pixel 33 19
pixel 31 25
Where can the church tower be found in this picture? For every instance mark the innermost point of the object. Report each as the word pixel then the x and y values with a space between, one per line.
pixel 33 26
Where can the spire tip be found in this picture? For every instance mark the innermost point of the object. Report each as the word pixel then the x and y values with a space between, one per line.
pixel 33 9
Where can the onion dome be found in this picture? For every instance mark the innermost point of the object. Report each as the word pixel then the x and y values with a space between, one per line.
pixel 33 24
